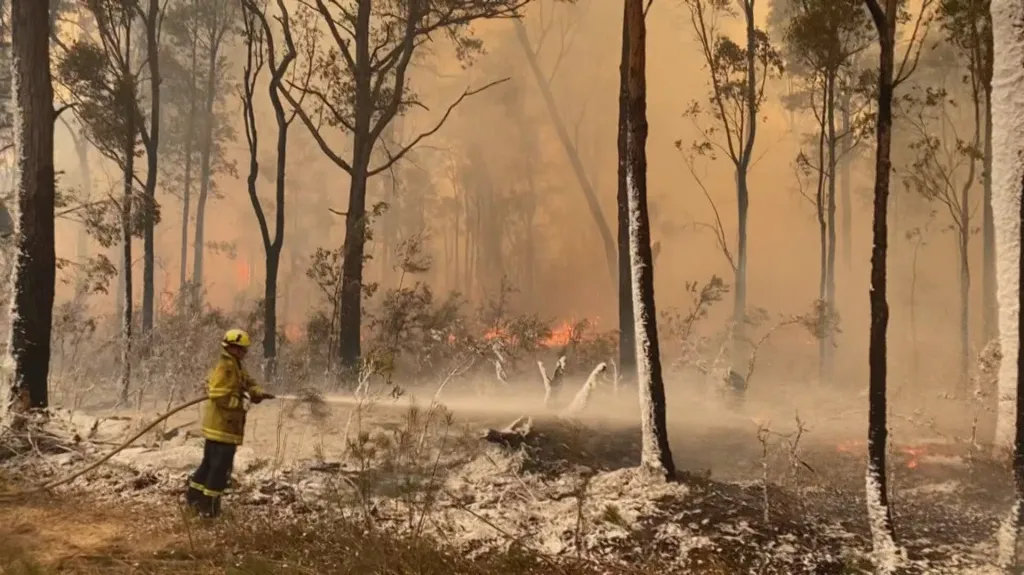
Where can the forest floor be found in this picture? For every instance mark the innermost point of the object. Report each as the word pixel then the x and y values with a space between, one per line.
pixel 417 490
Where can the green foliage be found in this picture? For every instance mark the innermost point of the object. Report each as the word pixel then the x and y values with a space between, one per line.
pixel 105 97
pixel 822 37
pixel 968 27
pixel 730 91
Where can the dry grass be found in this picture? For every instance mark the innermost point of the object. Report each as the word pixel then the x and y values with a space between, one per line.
pixel 161 539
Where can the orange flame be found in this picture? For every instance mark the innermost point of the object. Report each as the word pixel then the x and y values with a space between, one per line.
pixel 914 454
pixel 294 332
pixel 560 336
pixel 243 274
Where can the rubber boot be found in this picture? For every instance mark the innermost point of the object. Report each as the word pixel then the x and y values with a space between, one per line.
pixel 192 495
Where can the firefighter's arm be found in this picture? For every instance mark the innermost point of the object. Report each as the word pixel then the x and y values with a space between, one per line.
pixel 255 390
pixel 222 388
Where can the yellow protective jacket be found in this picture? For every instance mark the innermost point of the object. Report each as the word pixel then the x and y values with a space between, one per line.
pixel 224 411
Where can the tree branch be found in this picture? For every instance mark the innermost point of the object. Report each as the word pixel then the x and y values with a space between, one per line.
pixel 393 158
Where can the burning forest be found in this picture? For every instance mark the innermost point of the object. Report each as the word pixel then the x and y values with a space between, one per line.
pixel 338 286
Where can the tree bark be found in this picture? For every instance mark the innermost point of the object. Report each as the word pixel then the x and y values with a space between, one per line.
pixel 126 251
pixel 990 321
pixel 656 455
pixel 1007 174
pixel 152 161
pixel 830 276
pixel 350 303
pixel 739 355
pixel 35 266
pixel 883 534
pixel 1008 542
pixel 989 310
pixel 1007 111
pixel 627 340
pixel 819 205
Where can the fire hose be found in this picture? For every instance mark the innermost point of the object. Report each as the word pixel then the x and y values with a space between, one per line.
pixel 7 497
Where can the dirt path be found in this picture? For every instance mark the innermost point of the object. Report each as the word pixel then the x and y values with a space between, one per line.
pixel 58 533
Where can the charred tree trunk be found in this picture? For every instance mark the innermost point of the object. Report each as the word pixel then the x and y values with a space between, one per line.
pixel 627 341
pixel 883 534
pixel 350 303
pixel 152 161
pixel 656 456
pixel 35 266
pixel 1008 543
pixel 126 252
pixel 830 277
pixel 271 246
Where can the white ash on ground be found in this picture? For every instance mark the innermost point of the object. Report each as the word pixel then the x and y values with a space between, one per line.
pixel 564 492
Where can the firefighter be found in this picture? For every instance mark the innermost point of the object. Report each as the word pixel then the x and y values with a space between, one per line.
pixel 230 389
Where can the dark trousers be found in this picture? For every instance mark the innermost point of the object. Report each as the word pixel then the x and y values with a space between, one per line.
pixel 207 484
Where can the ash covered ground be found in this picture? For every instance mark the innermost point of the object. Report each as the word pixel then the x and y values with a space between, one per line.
pixel 762 489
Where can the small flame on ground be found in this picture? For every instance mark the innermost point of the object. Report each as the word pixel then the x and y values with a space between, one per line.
pixel 913 453
pixel 294 332
pixel 560 336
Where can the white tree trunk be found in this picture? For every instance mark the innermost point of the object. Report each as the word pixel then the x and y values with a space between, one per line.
pixel 1007 179
pixel 1007 174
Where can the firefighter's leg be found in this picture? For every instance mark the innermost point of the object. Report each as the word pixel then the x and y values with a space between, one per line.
pixel 217 478
pixel 194 493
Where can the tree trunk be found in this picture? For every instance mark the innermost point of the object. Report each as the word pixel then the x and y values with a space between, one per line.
pixel 1007 174
pixel 126 259
pixel 205 159
pixel 627 341
pixel 1007 190
pixel 85 178
pixel 819 201
pixel 883 535
pixel 589 194
pixel 186 194
pixel 845 191
pixel 989 310
pixel 963 241
pixel 915 355
pixel 273 261
pixel 656 456
pixel 152 160
pixel 350 304
pixel 35 266
pixel 739 348
pixel 186 198
pixel 1008 541
pixel 830 277
pixel 273 248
